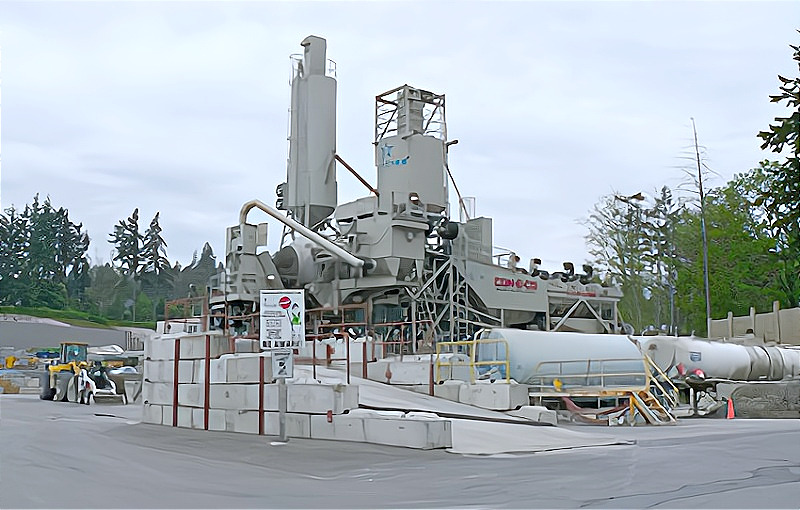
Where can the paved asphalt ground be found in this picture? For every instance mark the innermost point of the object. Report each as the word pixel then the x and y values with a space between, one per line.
pixel 59 455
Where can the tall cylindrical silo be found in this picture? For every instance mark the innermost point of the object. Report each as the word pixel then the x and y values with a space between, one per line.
pixel 310 192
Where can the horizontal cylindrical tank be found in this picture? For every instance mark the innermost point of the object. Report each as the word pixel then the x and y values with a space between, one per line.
pixel 554 359
pixel 722 360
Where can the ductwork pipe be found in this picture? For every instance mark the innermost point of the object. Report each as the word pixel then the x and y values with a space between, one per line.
pixel 312 236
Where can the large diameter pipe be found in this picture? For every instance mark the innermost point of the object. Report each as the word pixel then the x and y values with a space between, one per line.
pixel 337 251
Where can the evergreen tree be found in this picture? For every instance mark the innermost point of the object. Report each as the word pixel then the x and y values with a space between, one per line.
pixel 103 291
pixel 128 242
pixel 13 278
pixel 44 253
pixel 156 276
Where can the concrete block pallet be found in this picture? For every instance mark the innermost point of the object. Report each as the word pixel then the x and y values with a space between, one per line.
pixel 242 398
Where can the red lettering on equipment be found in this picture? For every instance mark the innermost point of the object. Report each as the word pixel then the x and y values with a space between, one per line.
pixel 510 284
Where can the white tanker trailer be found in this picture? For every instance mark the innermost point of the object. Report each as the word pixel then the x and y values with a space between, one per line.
pixel 708 359
pixel 565 362
pixel 755 381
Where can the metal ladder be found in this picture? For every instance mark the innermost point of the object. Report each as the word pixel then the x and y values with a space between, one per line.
pixel 650 408
pixel 655 409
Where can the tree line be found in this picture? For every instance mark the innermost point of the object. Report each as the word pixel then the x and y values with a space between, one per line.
pixel 44 263
pixel 652 247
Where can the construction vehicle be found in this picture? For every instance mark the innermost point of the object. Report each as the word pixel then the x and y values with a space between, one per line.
pixel 60 380
pixel 57 376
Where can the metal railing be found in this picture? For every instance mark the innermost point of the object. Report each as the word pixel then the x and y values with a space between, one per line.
pixel 408 332
pixel 567 376
pixel 668 396
pixel 471 347
pixel 191 313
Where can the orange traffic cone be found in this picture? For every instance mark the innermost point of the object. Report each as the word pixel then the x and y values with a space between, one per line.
pixel 731 413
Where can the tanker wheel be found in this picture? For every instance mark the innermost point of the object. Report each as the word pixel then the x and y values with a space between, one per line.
pixel 47 393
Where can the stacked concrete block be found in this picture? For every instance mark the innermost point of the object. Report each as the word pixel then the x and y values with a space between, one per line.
pixel 411 430
pixel 244 368
pixel 152 413
pixel 217 371
pixel 194 347
pixel 216 419
pixel 243 345
pixel 233 389
pixel 242 397
pixel 159 348
pixel 315 409
pixel 163 371
pixel 241 421
pixel 338 349
pixel 313 398
pixel 498 396
pixel 191 395
pixel 297 425
pixel 133 391
pixel 157 393
pixel 536 413
pixel 449 390
pixel 234 368
pixel 394 371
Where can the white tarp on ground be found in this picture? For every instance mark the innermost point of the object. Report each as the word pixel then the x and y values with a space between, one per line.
pixel 476 437
pixel 487 438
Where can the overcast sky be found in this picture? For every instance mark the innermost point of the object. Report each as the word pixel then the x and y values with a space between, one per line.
pixel 182 107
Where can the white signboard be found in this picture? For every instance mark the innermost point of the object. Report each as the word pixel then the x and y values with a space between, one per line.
pixel 282 319
pixel 282 364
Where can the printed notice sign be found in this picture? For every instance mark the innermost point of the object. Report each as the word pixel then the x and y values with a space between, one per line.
pixel 282 319
pixel 282 364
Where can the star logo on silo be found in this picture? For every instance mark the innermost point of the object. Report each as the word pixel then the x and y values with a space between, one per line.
pixel 386 154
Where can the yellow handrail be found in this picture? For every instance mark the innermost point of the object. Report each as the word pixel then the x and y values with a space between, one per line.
pixel 651 364
pixel 602 375
pixel 472 350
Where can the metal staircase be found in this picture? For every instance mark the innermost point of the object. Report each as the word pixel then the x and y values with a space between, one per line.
pixel 444 299
pixel 655 403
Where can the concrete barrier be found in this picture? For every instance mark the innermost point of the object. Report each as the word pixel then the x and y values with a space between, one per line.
pixel 163 371
pixel 241 421
pixel 191 395
pixel 234 397
pixel 243 368
pixel 152 413
pixel 539 414
pixel 318 398
pixel 413 430
pixel 497 396
pixel 157 393
pixel 159 348
pixel 297 425
pixel 194 347
pixel 216 419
